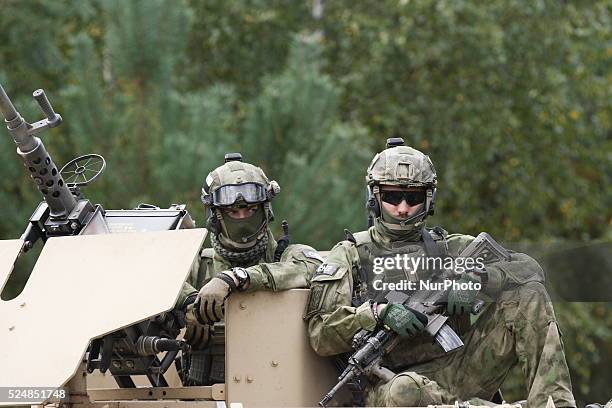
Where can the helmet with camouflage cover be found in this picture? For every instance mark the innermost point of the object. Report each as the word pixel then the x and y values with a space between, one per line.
pixel 236 185
pixel 403 166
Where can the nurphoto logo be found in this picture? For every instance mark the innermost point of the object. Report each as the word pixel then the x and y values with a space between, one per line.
pixel 412 264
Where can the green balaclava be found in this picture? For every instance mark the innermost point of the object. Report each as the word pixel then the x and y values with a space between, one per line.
pixel 402 166
pixel 243 231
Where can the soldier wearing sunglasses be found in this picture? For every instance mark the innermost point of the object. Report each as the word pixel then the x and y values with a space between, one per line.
pixel 517 326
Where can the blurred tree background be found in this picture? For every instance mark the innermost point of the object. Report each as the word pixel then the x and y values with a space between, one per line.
pixel 511 99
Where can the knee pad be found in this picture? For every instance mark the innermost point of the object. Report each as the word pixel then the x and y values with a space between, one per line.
pixel 406 390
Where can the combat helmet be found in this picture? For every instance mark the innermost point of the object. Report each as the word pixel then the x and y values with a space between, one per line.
pixel 400 165
pixel 236 183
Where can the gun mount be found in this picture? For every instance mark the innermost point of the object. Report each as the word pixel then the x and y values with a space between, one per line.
pixel 64 211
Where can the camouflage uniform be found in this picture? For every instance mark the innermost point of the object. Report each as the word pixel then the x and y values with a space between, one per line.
pixel 519 327
pixel 295 266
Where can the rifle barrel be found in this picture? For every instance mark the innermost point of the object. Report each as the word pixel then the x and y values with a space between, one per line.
pixel 343 380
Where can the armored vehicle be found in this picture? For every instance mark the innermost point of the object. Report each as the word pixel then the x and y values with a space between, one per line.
pixel 94 324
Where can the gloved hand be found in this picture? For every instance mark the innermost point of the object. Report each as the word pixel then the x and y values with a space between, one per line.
pixel 403 320
pixel 196 335
pixel 211 298
pixel 462 301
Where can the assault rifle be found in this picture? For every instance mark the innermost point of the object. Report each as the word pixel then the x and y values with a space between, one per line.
pixel 370 347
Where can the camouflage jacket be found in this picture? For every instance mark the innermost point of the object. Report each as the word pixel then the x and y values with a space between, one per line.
pixel 295 269
pixel 333 319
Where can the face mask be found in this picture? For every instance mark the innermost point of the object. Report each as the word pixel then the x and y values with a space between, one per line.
pixel 245 229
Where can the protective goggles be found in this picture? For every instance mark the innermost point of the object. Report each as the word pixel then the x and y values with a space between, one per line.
pixel 251 193
pixel 396 197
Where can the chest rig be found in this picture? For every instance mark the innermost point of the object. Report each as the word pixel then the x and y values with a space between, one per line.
pixel 372 254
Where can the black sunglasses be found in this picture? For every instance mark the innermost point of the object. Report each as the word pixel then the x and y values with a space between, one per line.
pixel 396 197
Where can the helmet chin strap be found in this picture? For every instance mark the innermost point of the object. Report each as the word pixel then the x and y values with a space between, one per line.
pixel 239 246
pixel 414 219
pixel 406 224
pixel 258 232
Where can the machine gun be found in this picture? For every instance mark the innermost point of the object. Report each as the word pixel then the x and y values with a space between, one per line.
pixel 370 347
pixel 65 211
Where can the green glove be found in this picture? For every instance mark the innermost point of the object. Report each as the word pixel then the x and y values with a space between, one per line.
pixel 403 320
pixel 462 301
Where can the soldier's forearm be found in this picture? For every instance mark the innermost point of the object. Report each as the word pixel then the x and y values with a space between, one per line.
pixel 325 340
pixel 333 333
pixel 278 276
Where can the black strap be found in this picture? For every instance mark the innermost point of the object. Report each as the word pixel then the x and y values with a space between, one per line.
pixel 431 248
pixel 196 312
pixel 283 242
pixel 229 280
pixel 191 298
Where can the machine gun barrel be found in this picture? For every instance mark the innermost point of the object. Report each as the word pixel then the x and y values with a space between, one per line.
pixel 37 160
pixel 16 125
pixel 6 106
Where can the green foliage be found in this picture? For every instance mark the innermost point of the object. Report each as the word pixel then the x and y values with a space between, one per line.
pixel 292 125
pixel 240 41
pixel 509 98
pixel 587 329
pixel 499 94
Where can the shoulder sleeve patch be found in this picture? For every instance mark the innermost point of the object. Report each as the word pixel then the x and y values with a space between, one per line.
pixel 314 301
pixel 326 269
pixel 313 255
